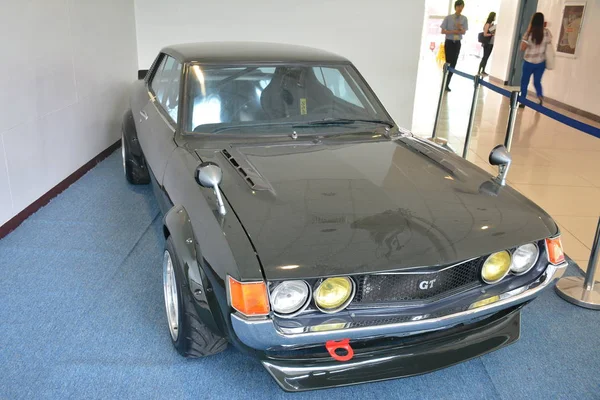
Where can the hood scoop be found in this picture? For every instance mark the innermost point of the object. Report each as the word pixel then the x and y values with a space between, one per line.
pixel 250 175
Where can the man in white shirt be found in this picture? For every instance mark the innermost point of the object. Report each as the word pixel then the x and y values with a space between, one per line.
pixel 454 27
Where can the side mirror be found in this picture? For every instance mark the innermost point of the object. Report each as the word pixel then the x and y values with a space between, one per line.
pixel 209 175
pixel 502 158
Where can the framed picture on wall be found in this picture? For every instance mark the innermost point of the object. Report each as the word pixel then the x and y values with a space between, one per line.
pixel 570 27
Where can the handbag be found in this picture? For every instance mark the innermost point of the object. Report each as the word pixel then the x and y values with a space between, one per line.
pixel 485 39
pixel 550 57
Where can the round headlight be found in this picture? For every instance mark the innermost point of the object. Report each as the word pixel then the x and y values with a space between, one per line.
pixel 496 267
pixel 524 258
pixel 289 297
pixel 333 294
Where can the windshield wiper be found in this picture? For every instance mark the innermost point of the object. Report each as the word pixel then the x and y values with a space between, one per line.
pixel 343 121
pixel 226 128
pixel 298 124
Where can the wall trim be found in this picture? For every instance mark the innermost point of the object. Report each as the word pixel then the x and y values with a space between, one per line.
pixel 18 219
pixel 556 103
pixel 569 108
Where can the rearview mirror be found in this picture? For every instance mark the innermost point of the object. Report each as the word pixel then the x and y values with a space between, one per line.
pixel 502 158
pixel 209 175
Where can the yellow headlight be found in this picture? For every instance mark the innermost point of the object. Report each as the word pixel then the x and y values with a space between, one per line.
pixel 333 294
pixel 496 267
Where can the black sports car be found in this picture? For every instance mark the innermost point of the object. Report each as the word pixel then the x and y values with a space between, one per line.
pixel 306 228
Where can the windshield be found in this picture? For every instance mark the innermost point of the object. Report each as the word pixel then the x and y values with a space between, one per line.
pixel 222 98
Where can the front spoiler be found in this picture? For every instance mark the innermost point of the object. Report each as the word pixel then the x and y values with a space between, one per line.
pixel 427 353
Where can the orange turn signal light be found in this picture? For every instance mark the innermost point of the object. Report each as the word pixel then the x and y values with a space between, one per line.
pixel 556 254
pixel 249 298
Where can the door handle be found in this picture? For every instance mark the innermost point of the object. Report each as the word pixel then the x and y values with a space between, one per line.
pixel 143 114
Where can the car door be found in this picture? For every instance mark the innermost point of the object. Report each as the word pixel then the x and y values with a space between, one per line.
pixel 158 118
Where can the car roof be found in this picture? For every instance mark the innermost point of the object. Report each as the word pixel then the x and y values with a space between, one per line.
pixel 260 52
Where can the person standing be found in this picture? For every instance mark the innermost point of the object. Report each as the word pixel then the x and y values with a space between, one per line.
pixel 534 45
pixel 454 27
pixel 489 32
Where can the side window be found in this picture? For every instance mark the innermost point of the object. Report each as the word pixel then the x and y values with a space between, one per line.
pixel 335 81
pixel 158 80
pixel 165 85
pixel 170 100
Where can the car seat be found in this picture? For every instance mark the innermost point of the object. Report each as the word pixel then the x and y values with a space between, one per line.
pixel 294 91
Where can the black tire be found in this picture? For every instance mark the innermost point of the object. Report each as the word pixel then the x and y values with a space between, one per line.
pixel 135 169
pixel 194 339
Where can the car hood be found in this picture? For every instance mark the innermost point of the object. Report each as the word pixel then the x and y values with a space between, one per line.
pixel 335 207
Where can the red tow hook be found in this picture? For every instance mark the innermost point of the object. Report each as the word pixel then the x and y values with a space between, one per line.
pixel 332 346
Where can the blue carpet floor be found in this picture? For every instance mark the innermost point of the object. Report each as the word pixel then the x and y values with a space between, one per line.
pixel 82 317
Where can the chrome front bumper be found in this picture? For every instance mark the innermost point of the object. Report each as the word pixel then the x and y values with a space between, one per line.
pixel 263 334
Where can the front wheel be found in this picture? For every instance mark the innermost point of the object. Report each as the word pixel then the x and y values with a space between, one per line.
pixel 189 334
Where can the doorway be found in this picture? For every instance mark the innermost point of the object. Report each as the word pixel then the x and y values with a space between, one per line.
pixel 526 10
pixel 431 60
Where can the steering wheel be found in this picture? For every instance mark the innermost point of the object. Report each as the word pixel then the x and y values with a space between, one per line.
pixel 236 113
pixel 244 100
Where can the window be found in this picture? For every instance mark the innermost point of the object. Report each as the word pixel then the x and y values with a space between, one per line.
pixel 165 85
pixel 224 94
pixel 244 97
pixel 335 81
pixel 158 80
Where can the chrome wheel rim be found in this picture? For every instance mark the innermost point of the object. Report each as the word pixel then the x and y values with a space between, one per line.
pixel 170 289
pixel 123 153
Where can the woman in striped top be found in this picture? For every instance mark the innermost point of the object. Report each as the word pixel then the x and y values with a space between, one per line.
pixel 534 44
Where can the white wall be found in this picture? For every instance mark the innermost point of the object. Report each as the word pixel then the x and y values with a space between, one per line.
pixel 503 43
pixel 65 71
pixel 575 81
pixel 381 37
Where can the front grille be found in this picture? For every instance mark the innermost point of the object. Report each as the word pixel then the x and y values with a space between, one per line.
pixel 367 321
pixel 387 288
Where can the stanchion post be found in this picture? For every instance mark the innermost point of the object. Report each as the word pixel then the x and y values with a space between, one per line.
pixel 593 263
pixel 512 118
pixel 476 85
pixel 439 107
pixel 582 292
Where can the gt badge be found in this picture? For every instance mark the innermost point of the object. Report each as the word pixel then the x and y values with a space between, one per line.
pixel 424 285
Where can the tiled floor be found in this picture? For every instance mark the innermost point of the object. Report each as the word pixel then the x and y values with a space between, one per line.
pixel 554 165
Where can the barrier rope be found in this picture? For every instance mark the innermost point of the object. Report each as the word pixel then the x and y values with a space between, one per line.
pixel 460 73
pixel 573 123
pixel 497 89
